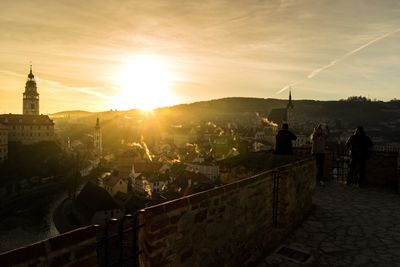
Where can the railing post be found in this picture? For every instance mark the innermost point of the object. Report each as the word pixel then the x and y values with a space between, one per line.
pixel 275 199
pixel 106 239
pixel 135 239
pixel 121 238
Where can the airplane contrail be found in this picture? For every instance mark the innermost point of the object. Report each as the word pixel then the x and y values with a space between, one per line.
pixel 335 61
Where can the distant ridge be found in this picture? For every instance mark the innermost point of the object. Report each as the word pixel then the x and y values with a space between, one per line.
pixel 70 112
pixel 354 112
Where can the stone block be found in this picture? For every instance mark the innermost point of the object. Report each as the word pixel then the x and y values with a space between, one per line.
pixel 73 238
pixel 176 204
pixel 62 260
pixel 24 254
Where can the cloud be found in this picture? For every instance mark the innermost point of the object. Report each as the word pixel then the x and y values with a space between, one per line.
pixel 317 71
pixel 219 47
pixel 352 52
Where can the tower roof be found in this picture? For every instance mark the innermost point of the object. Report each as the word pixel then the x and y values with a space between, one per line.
pixel 30 86
pixel 30 75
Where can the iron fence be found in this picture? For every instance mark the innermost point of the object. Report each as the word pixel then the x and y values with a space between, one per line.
pixel 275 199
pixel 117 243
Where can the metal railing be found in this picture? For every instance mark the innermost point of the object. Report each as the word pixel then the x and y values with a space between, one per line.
pixel 338 166
pixel 117 243
pixel 275 199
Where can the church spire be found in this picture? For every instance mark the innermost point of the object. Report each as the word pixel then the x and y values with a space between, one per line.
pixel 290 103
pixel 97 138
pixel 97 122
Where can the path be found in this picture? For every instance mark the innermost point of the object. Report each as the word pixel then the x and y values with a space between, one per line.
pixel 350 227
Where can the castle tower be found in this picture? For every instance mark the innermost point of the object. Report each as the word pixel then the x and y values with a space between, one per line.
pixel 97 139
pixel 30 96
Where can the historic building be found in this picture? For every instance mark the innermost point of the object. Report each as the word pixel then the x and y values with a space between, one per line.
pixel 284 115
pixel 29 127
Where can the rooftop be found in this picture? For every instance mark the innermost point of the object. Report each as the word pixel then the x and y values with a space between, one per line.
pixel 20 119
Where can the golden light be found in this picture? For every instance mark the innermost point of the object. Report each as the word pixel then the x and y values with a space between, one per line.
pixel 144 82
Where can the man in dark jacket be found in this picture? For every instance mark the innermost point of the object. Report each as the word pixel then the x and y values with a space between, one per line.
pixel 284 139
pixel 359 144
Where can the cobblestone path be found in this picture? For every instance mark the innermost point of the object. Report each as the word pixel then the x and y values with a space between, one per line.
pixel 350 227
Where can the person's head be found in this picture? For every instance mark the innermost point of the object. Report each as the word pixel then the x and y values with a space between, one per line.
pixel 285 126
pixel 359 130
pixel 318 129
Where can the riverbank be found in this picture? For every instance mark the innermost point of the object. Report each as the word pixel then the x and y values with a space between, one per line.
pixel 19 202
pixel 63 218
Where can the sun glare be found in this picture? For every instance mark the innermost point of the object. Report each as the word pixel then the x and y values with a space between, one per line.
pixel 144 82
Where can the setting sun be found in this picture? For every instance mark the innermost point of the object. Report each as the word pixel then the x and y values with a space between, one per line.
pixel 144 82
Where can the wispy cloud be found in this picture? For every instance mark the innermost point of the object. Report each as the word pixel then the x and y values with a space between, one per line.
pixel 352 52
pixel 317 71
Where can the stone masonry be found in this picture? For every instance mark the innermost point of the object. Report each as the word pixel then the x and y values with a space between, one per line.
pixel 229 225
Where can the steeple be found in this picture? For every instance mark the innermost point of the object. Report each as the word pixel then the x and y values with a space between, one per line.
pixel 30 96
pixel 290 103
pixel 97 122
pixel 97 138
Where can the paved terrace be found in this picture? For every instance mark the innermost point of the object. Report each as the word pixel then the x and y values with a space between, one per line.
pixel 350 226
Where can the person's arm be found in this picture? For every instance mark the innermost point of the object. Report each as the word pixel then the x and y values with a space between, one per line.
pixel 349 142
pixel 326 132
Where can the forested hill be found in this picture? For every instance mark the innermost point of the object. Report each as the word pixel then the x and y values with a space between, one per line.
pixel 355 110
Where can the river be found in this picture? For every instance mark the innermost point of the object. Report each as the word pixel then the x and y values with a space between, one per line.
pixel 32 221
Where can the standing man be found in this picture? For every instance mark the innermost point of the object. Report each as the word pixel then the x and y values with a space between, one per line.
pixel 284 140
pixel 318 138
pixel 359 144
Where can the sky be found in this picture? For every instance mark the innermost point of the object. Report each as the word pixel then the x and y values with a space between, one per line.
pixel 97 54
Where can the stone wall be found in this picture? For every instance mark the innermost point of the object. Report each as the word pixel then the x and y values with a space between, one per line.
pixel 296 185
pixel 75 248
pixel 229 225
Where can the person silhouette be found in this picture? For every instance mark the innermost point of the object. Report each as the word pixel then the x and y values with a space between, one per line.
pixel 284 138
pixel 359 145
pixel 318 138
